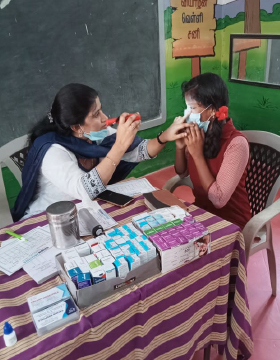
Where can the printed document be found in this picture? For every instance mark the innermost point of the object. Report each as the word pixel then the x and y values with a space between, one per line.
pixel 16 253
pixel 132 187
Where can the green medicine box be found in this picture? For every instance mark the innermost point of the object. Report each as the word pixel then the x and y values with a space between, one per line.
pixel 95 264
pixel 177 221
pixel 159 228
pixel 150 232
pixel 168 225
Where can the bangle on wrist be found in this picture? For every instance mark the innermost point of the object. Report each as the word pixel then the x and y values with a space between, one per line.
pixel 113 163
pixel 158 139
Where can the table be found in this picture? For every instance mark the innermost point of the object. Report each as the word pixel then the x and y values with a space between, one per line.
pixel 169 316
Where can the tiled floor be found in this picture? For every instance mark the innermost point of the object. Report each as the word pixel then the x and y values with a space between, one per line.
pixel 265 309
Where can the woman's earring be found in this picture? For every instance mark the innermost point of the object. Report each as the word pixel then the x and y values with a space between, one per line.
pixel 80 133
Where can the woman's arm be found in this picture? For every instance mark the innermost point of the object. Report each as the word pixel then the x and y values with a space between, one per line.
pixel 61 168
pixel 149 148
pixel 154 147
pixel 205 176
pixel 125 135
pixel 181 162
pixel 107 166
pixel 195 142
pixel 181 157
pixel 233 166
pixel 175 132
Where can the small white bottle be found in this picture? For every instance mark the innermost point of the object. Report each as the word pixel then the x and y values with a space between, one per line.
pixel 10 337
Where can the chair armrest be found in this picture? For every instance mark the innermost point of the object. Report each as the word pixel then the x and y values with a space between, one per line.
pixel 176 181
pixel 252 227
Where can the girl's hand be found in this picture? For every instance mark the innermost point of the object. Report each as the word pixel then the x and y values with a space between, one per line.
pixel 127 130
pixel 176 131
pixel 194 140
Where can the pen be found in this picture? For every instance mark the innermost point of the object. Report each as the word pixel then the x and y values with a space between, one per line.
pixel 20 237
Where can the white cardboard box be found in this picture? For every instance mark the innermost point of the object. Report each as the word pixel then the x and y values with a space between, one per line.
pixel 185 253
pixel 92 294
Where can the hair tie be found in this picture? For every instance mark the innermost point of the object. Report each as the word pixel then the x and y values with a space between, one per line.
pixel 49 115
pixel 222 114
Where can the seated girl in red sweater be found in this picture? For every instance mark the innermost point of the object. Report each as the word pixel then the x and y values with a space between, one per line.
pixel 213 152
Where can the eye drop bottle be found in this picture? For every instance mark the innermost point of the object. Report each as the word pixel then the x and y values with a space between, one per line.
pixel 10 337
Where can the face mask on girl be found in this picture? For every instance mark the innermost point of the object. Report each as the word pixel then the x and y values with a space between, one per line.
pixel 196 118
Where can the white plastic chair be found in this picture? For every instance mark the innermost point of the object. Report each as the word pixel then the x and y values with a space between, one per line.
pixel 13 156
pixel 262 184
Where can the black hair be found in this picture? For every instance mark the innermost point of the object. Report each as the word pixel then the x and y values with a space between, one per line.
pixel 209 89
pixel 71 106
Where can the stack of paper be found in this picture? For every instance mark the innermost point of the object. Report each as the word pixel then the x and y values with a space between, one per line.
pixel 132 187
pixel 36 255
pixel 14 253
pixel 43 266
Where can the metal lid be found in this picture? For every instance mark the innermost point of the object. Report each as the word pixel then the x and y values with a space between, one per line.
pixel 61 211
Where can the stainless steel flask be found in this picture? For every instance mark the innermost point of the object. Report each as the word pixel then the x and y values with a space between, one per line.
pixel 64 226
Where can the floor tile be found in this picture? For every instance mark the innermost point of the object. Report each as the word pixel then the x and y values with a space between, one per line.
pixel 159 178
pixel 278 277
pixel 257 273
pixel 214 356
pixel 276 235
pixel 265 349
pixel 265 314
pixel 278 304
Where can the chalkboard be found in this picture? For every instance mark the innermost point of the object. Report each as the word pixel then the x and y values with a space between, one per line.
pixel 114 46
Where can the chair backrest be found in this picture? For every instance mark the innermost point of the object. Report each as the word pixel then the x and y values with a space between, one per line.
pixel 263 178
pixel 13 156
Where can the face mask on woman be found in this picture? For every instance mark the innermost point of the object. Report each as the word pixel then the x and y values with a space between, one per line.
pixel 196 118
pixel 96 135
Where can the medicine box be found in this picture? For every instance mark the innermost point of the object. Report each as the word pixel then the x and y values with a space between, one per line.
pixel 98 275
pixel 94 293
pixel 184 253
pixel 54 316
pixel 83 280
pixel 47 298
pixel 70 254
pixel 179 240
pixel 83 249
pixel 52 308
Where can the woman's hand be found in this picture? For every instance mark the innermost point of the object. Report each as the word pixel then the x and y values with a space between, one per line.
pixel 124 137
pixel 176 132
pixel 127 130
pixel 194 140
pixel 180 143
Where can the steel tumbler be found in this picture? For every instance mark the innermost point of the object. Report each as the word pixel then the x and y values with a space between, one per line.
pixel 64 226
